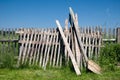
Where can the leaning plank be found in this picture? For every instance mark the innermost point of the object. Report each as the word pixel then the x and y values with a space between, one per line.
pixel 77 51
pixel 66 32
pixel 90 65
pixel 68 49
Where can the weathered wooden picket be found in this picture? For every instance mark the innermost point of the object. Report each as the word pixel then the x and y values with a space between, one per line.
pixel 40 47
pixel 44 46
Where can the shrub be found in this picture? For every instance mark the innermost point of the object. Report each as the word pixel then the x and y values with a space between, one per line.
pixel 6 60
pixel 110 56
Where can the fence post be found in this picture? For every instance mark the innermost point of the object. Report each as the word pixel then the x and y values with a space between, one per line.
pixel 118 35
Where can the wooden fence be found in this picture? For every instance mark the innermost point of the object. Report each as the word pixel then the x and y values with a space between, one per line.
pixel 45 47
pixel 40 47
pixel 8 41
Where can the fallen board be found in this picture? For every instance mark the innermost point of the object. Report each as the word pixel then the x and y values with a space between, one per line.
pixel 68 49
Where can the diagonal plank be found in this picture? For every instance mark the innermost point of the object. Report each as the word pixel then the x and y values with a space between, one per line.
pixel 90 64
pixel 68 49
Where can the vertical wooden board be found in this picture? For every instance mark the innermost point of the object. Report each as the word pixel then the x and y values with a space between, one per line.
pixel 40 44
pixel 29 45
pixel 58 55
pixel 21 49
pixel 96 48
pixel 65 56
pixel 93 38
pixel 49 46
pixel 86 40
pixel 46 48
pixel 85 45
pixel 61 59
pixel 99 43
pixel 53 43
pixel 93 45
pixel 69 35
pixel 68 49
pixel 89 36
pixel 91 42
pixel 85 50
pixel 25 48
pixel 36 47
pixel 43 45
pixel 32 48
pixel 54 57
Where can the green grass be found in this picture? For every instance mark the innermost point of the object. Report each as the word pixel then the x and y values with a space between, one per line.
pixel 55 74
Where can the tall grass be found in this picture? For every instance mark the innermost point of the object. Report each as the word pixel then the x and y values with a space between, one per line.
pixel 109 56
pixel 7 55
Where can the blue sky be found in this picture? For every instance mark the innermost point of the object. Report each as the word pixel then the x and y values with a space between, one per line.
pixel 43 13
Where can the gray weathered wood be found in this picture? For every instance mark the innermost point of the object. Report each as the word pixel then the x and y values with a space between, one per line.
pixel 51 56
pixel 25 49
pixel 29 45
pixel 46 48
pixel 54 57
pixel 36 47
pixel 68 49
pixel 47 55
pixel 21 48
pixel 58 55
pixel 40 43
pixel 41 53
pixel 91 66
pixel 32 49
